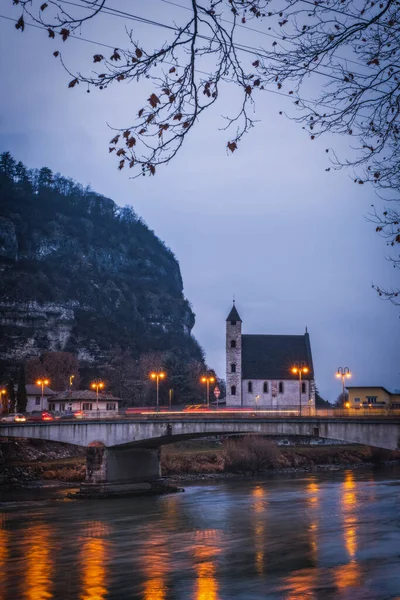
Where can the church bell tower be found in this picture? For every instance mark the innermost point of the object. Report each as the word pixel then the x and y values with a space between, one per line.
pixel 233 358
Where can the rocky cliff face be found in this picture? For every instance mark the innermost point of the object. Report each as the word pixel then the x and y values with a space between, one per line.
pixel 80 274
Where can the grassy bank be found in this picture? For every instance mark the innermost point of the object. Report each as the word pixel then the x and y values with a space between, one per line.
pixel 254 454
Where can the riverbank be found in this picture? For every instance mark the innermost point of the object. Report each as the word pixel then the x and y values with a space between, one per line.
pixel 33 463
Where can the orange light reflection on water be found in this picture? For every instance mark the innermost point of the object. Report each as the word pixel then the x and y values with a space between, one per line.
pixel 349 504
pixel 301 585
pixel 348 576
pixel 93 559
pixel 3 561
pixel 37 582
pixel 259 507
pixel 156 565
pixel 206 549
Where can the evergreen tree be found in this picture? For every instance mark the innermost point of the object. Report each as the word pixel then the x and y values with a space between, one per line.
pixel 45 178
pixel 7 165
pixel 21 392
pixel 11 395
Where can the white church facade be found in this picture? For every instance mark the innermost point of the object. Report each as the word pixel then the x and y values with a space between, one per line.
pixel 259 369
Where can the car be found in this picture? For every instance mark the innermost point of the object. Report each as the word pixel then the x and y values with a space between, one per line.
pixel 71 414
pixel 14 418
pixel 40 415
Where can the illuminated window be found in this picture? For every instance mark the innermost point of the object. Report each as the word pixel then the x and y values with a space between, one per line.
pixel 250 387
pixel 280 388
pixel 303 388
pixel 265 387
pixel 233 390
pixel 233 368
pixel 233 344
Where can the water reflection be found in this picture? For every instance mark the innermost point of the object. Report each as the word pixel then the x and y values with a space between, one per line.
pixel 37 582
pixel 349 507
pixel 313 499
pixel 93 560
pixel 259 506
pixel 155 566
pixel 3 561
pixel 302 538
pixel 208 546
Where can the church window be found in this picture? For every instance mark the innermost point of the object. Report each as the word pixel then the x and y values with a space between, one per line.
pixel 250 387
pixel 233 390
pixel 265 387
pixel 303 388
pixel 233 322
pixel 233 368
pixel 233 343
pixel 281 387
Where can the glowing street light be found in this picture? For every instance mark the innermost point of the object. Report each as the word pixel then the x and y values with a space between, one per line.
pixel 3 400
pixel 342 373
pixel 298 369
pixel 157 376
pixel 97 385
pixel 42 383
pixel 207 381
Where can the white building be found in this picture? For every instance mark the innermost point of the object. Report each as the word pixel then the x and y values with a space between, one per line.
pixel 85 400
pixel 259 369
pixel 34 397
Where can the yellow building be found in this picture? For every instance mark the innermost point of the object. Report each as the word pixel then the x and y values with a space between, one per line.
pixel 372 397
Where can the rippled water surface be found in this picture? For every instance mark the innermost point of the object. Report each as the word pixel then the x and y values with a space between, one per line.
pixel 310 536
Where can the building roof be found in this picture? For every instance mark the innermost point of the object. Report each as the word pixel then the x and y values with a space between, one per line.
pixel 36 390
pixel 83 395
pixel 273 356
pixel 233 315
pixel 369 387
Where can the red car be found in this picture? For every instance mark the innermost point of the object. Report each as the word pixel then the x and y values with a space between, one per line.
pixel 40 415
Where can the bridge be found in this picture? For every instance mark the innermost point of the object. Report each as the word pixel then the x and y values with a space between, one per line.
pixel 123 452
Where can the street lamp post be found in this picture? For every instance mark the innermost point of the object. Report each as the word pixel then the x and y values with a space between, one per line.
pixel 298 369
pixel 42 383
pixel 342 373
pixel 207 381
pixel 3 402
pixel 97 385
pixel 157 376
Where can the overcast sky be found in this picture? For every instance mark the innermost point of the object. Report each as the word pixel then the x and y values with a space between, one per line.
pixel 267 224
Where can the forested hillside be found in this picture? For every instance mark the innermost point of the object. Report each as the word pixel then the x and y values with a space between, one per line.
pixel 82 275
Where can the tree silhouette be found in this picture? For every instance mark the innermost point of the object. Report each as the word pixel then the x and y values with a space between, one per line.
pixel 21 391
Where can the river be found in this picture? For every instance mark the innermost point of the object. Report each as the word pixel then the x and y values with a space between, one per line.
pixel 292 537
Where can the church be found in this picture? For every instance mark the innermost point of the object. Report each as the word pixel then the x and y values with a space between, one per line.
pixel 259 369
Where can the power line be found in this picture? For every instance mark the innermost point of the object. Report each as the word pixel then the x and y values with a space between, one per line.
pixel 86 40
pixel 242 47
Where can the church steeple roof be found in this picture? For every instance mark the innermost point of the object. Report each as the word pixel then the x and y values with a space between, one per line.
pixel 233 315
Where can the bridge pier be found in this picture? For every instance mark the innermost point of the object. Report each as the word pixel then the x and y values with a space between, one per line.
pixel 119 470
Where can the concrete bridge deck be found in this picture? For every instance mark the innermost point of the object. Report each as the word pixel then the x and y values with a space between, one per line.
pixel 124 453
pixel 157 430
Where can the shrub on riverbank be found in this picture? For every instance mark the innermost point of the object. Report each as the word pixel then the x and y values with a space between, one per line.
pixel 251 453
